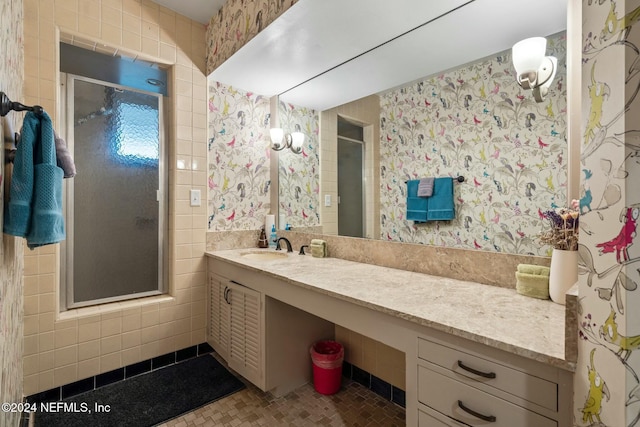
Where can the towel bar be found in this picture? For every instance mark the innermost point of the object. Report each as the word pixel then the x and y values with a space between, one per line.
pixel 6 105
pixel 458 178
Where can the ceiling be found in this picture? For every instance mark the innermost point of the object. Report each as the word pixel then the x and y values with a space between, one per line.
pixel 198 10
pixel 321 54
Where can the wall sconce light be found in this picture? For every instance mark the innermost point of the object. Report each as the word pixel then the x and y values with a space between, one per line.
pixel 534 70
pixel 280 140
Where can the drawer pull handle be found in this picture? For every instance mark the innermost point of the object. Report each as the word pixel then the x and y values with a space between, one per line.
pixel 475 371
pixel 226 294
pixel 488 418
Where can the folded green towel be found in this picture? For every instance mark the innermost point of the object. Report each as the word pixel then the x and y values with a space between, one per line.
pixel 532 285
pixel 538 270
pixel 318 248
pixel 317 251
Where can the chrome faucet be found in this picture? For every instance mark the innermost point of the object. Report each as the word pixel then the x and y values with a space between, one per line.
pixel 289 248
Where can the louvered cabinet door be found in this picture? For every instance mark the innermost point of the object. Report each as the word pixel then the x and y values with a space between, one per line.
pixel 219 313
pixel 245 351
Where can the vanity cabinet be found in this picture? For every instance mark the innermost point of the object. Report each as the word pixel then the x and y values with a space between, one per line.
pixel 236 315
pixel 457 375
pixel 461 385
pixel 262 338
pixel 218 315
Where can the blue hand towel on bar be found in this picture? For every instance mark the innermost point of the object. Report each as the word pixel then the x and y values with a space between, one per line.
pixel 441 205
pixel 416 206
pixel 34 210
pixel 17 213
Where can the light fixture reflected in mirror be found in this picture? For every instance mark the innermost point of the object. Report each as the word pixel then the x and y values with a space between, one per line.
pixel 281 140
pixel 534 70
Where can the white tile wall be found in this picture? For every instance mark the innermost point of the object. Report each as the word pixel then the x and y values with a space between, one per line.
pixel 89 341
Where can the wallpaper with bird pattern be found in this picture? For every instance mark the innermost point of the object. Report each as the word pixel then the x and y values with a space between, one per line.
pixel 11 259
pixel 237 22
pixel 493 134
pixel 607 380
pixel 476 121
pixel 239 162
pixel 239 153
pixel 299 174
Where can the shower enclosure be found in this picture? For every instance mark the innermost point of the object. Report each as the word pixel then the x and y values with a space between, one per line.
pixel 351 202
pixel 115 206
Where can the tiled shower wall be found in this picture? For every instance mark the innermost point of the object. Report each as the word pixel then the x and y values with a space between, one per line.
pixel 11 263
pixel 89 341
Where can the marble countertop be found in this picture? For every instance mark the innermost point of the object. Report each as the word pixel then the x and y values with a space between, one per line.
pixel 497 317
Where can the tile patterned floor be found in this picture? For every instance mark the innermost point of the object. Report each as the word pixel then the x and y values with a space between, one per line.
pixel 354 405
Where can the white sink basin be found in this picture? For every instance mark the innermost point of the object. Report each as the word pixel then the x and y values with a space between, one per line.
pixel 264 255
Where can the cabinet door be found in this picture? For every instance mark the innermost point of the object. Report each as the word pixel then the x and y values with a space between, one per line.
pixel 245 352
pixel 219 313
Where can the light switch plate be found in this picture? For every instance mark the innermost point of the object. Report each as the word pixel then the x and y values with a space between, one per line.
pixel 194 196
pixel 327 199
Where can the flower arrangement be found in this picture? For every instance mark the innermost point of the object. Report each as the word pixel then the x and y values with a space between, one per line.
pixel 564 227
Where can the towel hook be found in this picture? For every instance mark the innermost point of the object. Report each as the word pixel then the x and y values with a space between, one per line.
pixel 6 105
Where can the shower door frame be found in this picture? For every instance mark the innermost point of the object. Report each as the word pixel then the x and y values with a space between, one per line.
pixel 67 247
pixel 363 183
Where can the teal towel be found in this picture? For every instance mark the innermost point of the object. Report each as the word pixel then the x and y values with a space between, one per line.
pixel 17 213
pixel 34 210
pixel 441 206
pixel 416 206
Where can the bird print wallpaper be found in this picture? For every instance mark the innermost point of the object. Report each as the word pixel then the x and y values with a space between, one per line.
pixel 11 249
pixel 607 381
pixel 475 121
pixel 238 150
pixel 237 22
pixel 299 174
pixel 239 153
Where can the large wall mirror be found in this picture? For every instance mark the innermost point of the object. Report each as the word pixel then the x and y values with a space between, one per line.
pixel 468 117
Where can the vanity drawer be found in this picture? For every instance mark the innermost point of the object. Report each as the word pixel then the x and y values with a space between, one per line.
pixel 450 397
pixel 474 369
pixel 427 417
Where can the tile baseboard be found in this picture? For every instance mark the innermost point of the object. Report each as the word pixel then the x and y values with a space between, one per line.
pixel 120 374
pixel 375 384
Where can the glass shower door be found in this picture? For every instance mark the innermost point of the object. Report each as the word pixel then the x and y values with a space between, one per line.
pixel 115 217
pixel 350 188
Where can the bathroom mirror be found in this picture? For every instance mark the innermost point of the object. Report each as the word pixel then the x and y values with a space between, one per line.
pixel 511 151
pixel 472 120
pixel 462 114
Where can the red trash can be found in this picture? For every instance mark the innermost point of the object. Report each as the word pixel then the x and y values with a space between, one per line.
pixel 327 357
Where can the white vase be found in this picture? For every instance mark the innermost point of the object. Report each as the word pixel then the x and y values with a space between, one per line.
pixel 563 274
